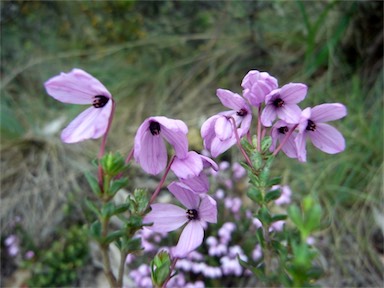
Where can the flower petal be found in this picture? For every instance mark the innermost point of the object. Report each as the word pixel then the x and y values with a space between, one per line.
pixel 208 131
pixel 176 135
pixel 208 209
pixel 150 151
pixel 300 141
pixel 328 112
pixel 231 100
pixel 75 87
pixel 91 123
pixel 184 194
pixel 191 238
pixel 208 162
pixel 293 92
pixel 223 128
pixel 218 147
pixel 165 217
pixel 289 148
pixel 290 113
pixel 268 115
pixel 198 184
pixel 189 166
pixel 327 138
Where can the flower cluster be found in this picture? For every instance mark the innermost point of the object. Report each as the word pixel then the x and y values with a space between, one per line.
pixel 151 153
pixel 293 125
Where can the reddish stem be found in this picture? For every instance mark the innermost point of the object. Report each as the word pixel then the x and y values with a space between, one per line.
pixel 158 188
pixel 284 140
pixel 102 146
pixel 259 128
pixel 170 272
pixel 129 157
pixel 239 143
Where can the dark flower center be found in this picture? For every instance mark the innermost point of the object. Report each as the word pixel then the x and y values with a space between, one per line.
pixel 283 129
pixel 154 127
pixel 278 102
pixel 99 101
pixel 192 214
pixel 242 112
pixel 311 126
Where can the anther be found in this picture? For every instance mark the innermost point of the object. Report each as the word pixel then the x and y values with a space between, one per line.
pixel 283 129
pixel 100 101
pixel 154 127
pixel 192 214
pixel 278 102
pixel 242 112
pixel 311 126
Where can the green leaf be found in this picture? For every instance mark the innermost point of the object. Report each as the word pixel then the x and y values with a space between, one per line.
pixel 260 237
pixel 255 195
pixel 278 217
pixel 264 216
pixel 92 206
pixel 95 230
pixel 272 195
pixel 116 185
pixel 266 144
pixel 131 244
pixel 294 214
pixel 141 199
pixel 274 181
pixel 113 236
pixel 108 210
pixel 160 268
pixel 93 183
pixel 256 159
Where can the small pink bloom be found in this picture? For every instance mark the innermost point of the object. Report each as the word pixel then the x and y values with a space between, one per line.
pixel 323 136
pixel 278 133
pixel 79 87
pixel 201 208
pixel 218 131
pixel 190 170
pixel 257 85
pixel 282 103
pixel 150 151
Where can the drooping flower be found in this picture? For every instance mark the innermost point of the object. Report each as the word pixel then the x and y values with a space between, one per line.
pixel 200 208
pixel 150 150
pixel 323 136
pixel 256 85
pixel 282 103
pixel 218 131
pixel 278 133
pixel 190 170
pixel 79 87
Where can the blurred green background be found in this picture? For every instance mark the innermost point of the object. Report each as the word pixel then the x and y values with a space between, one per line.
pixel 168 58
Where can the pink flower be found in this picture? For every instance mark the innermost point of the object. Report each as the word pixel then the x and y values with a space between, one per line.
pixel 190 171
pixel 79 87
pixel 282 103
pixel 323 136
pixel 278 133
pixel 257 85
pixel 150 151
pixel 165 217
pixel 218 131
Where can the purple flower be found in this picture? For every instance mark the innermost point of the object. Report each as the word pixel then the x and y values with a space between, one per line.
pixel 282 103
pixel 218 131
pixel 323 136
pixel 190 170
pixel 165 217
pixel 79 87
pixel 257 85
pixel 278 133
pixel 150 151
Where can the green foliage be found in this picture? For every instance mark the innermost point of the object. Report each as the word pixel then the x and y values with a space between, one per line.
pixel 59 265
pixel 160 268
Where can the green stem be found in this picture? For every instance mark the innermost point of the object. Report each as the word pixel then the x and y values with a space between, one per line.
pixel 123 256
pixel 105 254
